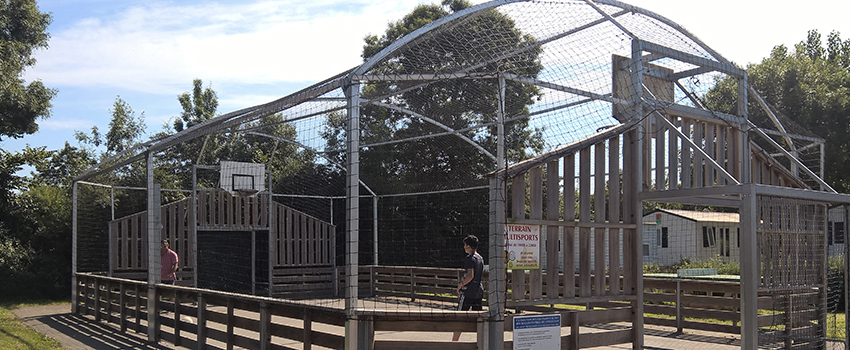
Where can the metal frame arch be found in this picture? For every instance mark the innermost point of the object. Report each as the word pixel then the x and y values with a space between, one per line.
pixel 416 34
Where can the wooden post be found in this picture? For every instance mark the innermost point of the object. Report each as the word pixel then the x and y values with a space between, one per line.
pixel 138 307
pixel 574 330
pixel 308 329
pixel 123 307
pixel 230 321
pixel 202 321
pixel 96 299
pixel 176 318
pixel 265 327
pixel 679 320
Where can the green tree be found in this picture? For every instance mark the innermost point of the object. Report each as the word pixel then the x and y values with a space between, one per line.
pixel 811 86
pixel 23 29
pixel 201 105
pixel 125 130
pixel 35 223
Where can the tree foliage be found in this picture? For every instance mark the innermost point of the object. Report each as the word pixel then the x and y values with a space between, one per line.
pixel 811 86
pixel 23 29
pixel 125 130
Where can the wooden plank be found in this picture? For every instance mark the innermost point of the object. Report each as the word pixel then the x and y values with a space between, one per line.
pixel 247 206
pixel 599 216
pixel 584 216
pixel 629 216
pixel 303 235
pixel 735 154
pixel 646 153
pixel 698 170
pixel 553 212
pixel 201 208
pixel 422 345
pixel 687 162
pixel 591 340
pixel 710 146
pixel 289 248
pixel 673 157
pixel 124 242
pixel 518 211
pixel 614 214
pixel 660 149
pixel 569 232
pixel 536 204
pixel 720 153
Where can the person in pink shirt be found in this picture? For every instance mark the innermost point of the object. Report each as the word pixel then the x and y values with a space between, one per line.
pixel 168 269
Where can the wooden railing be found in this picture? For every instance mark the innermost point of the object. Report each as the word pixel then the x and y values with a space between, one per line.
pixel 680 303
pixel 215 319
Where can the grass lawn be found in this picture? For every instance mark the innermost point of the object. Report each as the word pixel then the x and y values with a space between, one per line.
pixel 14 335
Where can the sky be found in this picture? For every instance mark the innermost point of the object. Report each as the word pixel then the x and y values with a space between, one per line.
pixel 255 51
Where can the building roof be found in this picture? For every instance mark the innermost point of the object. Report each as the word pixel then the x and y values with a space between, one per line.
pixel 703 216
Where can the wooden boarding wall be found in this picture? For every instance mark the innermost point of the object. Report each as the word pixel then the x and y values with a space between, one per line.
pixel 670 160
pixel 298 240
pixel 597 228
pixel 128 238
pixel 587 226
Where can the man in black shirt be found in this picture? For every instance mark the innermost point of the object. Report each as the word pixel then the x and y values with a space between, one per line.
pixel 470 290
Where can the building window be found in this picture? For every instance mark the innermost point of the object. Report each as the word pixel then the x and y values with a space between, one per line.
pixel 739 237
pixel 658 237
pixel 664 238
pixel 709 236
pixel 829 232
pixel 839 233
pixel 646 250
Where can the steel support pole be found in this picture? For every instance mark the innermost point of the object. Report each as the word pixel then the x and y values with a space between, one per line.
pixel 749 268
pixel 497 281
pixel 153 237
pixel 375 230
pixel 636 78
pixel 74 294
pixel 352 214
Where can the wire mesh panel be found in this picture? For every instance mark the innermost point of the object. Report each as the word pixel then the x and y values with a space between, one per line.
pixel 836 322
pixel 793 258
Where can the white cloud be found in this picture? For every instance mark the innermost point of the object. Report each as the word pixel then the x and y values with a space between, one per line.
pixel 65 124
pixel 158 48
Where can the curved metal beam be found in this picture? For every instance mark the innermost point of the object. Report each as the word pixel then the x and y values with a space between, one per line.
pixel 441 125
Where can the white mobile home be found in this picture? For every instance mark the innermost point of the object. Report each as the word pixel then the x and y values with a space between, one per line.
pixel 670 235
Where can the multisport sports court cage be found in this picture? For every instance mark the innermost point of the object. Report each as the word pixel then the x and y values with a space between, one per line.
pixel 350 198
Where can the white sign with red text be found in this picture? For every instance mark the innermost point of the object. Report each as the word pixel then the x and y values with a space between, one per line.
pixel 523 246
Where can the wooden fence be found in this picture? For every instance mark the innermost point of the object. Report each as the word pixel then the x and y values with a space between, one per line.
pixel 681 303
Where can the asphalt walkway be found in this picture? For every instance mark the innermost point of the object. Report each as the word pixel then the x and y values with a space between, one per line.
pixel 83 333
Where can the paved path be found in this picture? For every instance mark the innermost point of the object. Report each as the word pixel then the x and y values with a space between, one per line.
pixel 83 333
